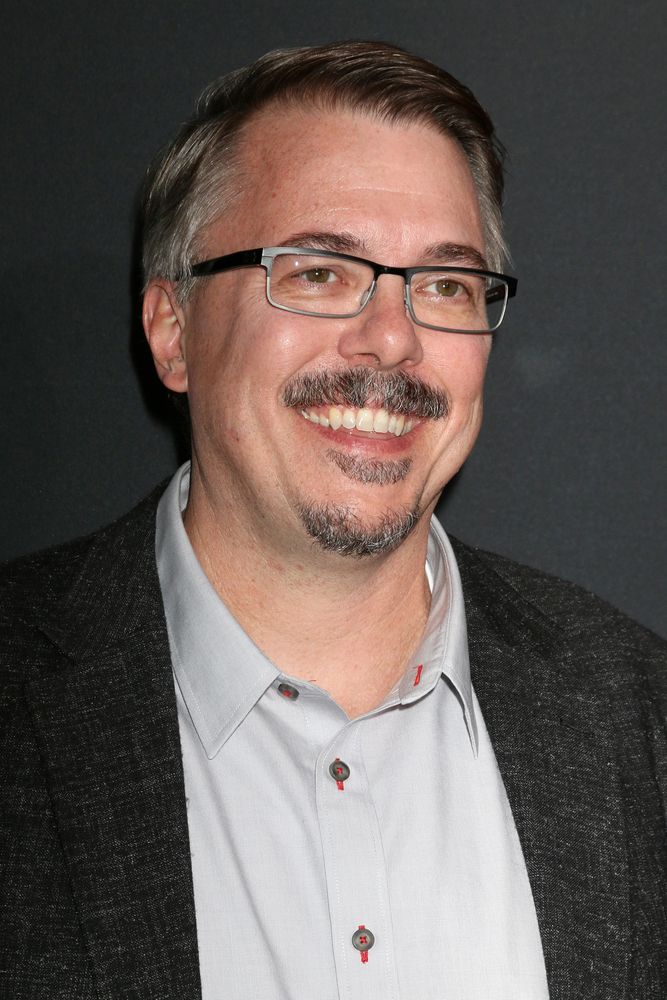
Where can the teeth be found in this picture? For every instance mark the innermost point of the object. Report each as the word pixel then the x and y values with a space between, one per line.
pixel 381 422
pixel 364 419
pixel 335 417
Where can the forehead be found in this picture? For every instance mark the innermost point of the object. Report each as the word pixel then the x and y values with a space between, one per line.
pixel 388 184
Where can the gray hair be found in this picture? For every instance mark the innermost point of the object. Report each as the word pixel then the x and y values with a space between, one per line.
pixel 196 179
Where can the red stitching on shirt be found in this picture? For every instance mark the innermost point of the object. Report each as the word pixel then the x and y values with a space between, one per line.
pixel 362 940
pixel 419 674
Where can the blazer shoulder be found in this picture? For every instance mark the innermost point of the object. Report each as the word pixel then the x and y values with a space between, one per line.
pixel 594 637
pixel 50 570
pixel 571 607
pixel 76 580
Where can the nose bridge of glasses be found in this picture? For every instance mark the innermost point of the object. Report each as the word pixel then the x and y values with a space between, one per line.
pixel 383 270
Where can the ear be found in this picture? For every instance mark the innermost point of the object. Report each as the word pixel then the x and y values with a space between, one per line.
pixel 164 325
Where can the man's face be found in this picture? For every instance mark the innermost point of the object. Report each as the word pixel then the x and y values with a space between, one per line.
pixel 391 193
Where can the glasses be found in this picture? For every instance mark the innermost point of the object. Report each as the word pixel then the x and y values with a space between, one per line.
pixel 337 286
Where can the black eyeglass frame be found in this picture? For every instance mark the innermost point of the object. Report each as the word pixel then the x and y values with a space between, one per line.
pixel 265 256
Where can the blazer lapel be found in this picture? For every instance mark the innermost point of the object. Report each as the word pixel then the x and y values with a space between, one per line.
pixel 562 781
pixel 105 713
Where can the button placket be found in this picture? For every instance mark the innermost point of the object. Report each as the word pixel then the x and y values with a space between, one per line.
pixel 355 871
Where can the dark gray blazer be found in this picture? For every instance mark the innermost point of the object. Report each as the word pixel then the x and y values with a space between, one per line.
pixel 96 887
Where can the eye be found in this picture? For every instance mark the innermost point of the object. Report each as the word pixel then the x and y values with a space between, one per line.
pixel 319 275
pixel 445 288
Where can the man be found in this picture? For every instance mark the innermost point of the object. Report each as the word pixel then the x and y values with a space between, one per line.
pixel 274 734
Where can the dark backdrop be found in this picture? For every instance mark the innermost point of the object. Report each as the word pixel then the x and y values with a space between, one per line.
pixel 570 472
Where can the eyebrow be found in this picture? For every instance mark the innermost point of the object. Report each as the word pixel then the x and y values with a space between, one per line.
pixel 338 242
pixel 448 253
pixel 456 253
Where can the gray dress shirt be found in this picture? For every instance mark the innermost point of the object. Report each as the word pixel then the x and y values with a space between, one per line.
pixel 373 858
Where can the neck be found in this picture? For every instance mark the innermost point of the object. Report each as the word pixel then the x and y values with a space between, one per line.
pixel 349 625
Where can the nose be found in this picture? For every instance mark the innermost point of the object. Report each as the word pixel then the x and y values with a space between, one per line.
pixel 383 335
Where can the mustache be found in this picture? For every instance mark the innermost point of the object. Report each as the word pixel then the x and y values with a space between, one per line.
pixel 398 392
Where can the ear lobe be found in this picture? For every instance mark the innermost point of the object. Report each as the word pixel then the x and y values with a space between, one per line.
pixel 164 323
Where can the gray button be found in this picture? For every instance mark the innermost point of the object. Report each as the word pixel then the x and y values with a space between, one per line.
pixel 339 770
pixel 363 939
pixel 289 692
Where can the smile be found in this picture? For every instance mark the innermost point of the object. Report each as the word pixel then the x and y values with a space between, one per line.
pixel 371 421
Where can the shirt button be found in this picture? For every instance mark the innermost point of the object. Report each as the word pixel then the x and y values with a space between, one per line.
pixel 289 692
pixel 339 770
pixel 363 939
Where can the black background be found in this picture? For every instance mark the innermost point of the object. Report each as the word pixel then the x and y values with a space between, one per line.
pixel 570 473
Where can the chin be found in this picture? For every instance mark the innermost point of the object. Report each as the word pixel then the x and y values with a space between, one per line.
pixel 340 528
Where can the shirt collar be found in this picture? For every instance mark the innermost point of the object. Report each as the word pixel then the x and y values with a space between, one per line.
pixel 222 674
pixel 443 651
pixel 220 671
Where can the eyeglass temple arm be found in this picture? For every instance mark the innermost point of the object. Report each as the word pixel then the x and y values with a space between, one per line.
pixel 243 258
pixel 497 293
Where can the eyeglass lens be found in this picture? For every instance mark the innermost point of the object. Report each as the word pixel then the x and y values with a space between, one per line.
pixel 337 287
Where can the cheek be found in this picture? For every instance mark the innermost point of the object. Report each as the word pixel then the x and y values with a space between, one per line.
pixel 239 361
pixel 462 368
pixel 463 376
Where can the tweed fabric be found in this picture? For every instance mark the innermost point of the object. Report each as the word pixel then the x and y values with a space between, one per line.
pixel 97 896
pixel 97 885
pixel 585 772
